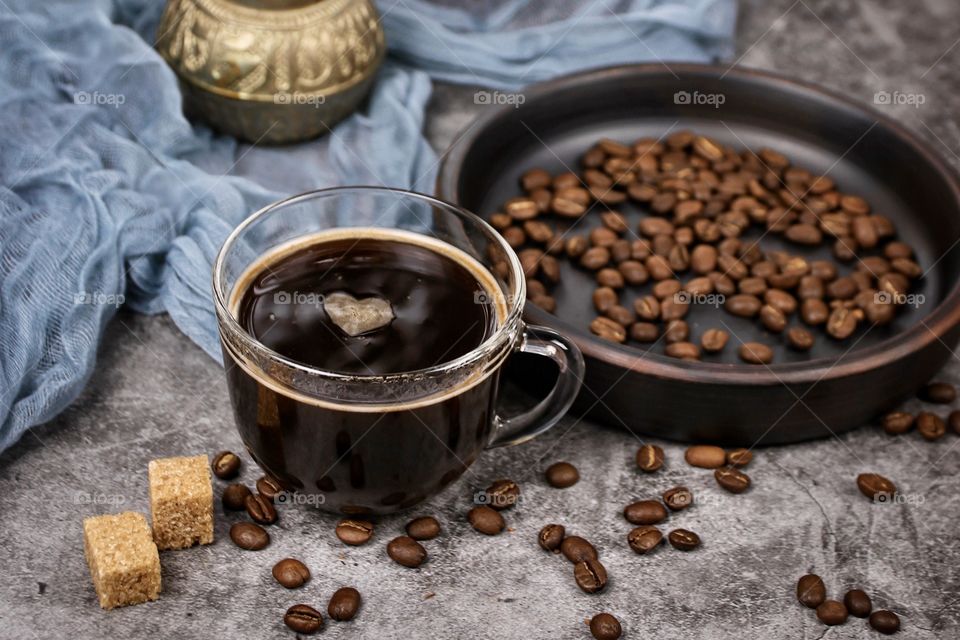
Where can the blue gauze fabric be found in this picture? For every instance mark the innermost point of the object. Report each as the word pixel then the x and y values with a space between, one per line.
pixel 108 196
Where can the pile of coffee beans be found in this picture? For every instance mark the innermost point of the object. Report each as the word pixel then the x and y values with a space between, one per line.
pixel 812 593
pixel 929 425
pixel 238 497
pixel 588 572
pixel 701 202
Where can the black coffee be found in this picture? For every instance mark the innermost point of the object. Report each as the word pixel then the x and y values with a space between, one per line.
pixel 377 303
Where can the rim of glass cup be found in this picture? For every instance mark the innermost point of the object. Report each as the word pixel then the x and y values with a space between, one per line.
pixel 500 338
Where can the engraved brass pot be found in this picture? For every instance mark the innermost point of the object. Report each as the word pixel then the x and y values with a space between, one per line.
pixel 272 71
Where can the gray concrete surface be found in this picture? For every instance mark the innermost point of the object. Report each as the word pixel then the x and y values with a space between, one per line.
pixel 155 394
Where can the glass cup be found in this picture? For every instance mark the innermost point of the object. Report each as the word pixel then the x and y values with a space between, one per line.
pixel 373 444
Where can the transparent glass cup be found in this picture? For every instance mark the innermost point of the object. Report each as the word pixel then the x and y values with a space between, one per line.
pixel 367 444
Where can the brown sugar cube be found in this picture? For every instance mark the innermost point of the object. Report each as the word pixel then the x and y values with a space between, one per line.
pixel 181 502
pixel 123 559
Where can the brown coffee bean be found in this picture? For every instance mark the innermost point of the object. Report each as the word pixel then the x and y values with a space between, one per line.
pixel 644 332
pixel 780 300
pixel 814 312
pixel 566 180
pixel 658 267
pixel 551 537
pixel 683 540
pixel 486 520
pixel 739 457
pixel 676 331
pixel 772 319
pixel 423 528
pixel 876 487
pixel 954 420
pixel 303 619
pixel 678 498
pixel 590 575
pixel 614 221
pixel 562 475
pixel 502 494
pixel 886 622
pixel 515 237
pixel 666 288
pixel 938 393
pixel 732 479
pixel 269 487
pixel 756 353
pixel 604 626
pixel 608 329
pixel 603 237
pixel 576 549
pixel 354 532
pixel 566 206
pixel 799 339
pixel 907 267
pixel 645 512
pixel 234 497
pixel 644 539
pixel 249 536
pixel 595 258
pixel 291 573
pixel 857 603
pixel 535 179
pixel 576 246
pixel 752 286
pixel 683 351
pixel 674 308
pixel 705 456
pixel 547 303
pixel 604 298
pixel 714 340
pixel 608 277
pixel 811 592
pixel 226 465
pixel 930 426
pixel 500 221
pixel 344 604
pixel 831 612
pixel 649 458
pixel 521 208
pixel 842 323
pixel 647 308
pixel 260 509
pixel 408 552
pixel 897 422
pixel 743 305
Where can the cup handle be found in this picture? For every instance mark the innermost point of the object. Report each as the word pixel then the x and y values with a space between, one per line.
pixel 542 341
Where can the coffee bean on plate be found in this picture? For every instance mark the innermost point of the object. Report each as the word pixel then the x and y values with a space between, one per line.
pixel 649 458
pixel 930 426
pixel 678 498
pixel 683 539
pixel 486 520
pixel 756 353
pixel 811 592
pixel 644 332
pixel 608 329
pixel 886 622
pixel 938 393
pixel 732 479
pixel 234 497
pixel 714 340
pixel 800 339
pixel 604 626
pixel 260 509
pixel 423 528
pixel 269 487
pixel 705 456
pixel 249 536
pixel 354 532
pixel 291 573
pixel 876 487
pixel 503 494
pixel 739 457
pixel 303 619
pixel 954 420
pixel 897 422
pixel 576 549
pixel 344 604
pixel 562 475
pixel 226 465
pixel 644 538
pixel 857 603
pixel 590 575
pixel 683 350
pixel 551 537
pixel 832 613
pixel 406 551
pixel 645 512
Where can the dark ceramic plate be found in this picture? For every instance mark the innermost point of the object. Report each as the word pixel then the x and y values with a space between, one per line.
pixel 836 386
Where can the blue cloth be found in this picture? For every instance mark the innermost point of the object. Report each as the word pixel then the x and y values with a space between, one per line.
pixel 108 196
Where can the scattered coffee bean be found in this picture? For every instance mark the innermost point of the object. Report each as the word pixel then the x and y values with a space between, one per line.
pixel 502 494
pixel 799 339
pixel 249 536
pixel 269 487
pixel 714 340
pixel 678 498
pixel 876 487
pixel 930 426
pixel 732 479
pixel 562 475
pixel 576 549
pixel 291 573
pixel 886 622
pixel 739 457
pixel 551 537
pixel 811 592
pixel 604 626
pixel 649 458
pixel 705 456
pixel 344 604
pixel 897 422
pixel 938 393
pixel 354 532
pixel 857 603
pixel 226 465
pixel 954 420
pixel 407 551
pixel 645 512
pixel 683 540
pixel 303 619
pixel 260 509
pixel 234 497
pixel 591 576
pixel 756 353
pixel 832 613
pixel 644 539
pixel 424 528
pixel 486 520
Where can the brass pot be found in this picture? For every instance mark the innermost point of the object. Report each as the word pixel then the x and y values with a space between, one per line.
pixel 272 71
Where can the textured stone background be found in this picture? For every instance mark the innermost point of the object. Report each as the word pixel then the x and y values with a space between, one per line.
pixel 155 394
